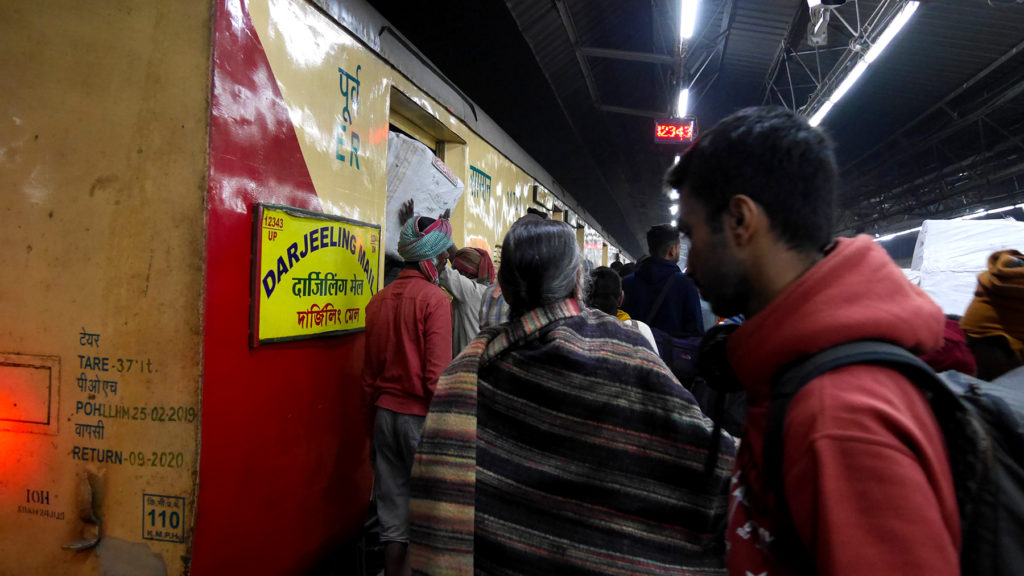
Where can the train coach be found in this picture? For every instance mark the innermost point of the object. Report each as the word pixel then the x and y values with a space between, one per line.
pixel 198 198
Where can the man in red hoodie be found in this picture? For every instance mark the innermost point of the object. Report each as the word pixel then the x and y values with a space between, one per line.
pixel 865 467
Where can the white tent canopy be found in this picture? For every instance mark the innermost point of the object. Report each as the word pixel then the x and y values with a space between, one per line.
pixel 951 253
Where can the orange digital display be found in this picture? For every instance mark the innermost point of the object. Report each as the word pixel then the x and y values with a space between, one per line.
pixel 675 130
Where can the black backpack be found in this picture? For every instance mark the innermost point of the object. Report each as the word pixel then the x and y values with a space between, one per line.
pixel 983 424
pixel 679 352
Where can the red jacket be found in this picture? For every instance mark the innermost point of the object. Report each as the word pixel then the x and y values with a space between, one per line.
pixel 865 465
pixel 408 344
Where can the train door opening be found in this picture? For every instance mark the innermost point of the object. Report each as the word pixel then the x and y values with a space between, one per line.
pixel 424 158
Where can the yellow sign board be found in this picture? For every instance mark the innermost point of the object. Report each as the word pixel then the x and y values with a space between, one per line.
pixel 313 274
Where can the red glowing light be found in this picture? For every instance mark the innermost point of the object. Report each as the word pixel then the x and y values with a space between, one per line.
pixel 675 130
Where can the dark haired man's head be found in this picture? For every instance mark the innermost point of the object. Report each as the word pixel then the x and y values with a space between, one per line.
pixel 531 214
pixel 540 265
pixel 757 194
pixel 663 242
pixel 627 269
pixel 616 266
pixel 605 290
pixel 772 156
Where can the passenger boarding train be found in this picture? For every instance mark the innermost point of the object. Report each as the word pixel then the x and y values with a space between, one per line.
pixel 195 214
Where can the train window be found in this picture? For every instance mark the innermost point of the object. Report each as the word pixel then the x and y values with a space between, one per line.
pixel 411 118
pixel 404 126
pixel 408 118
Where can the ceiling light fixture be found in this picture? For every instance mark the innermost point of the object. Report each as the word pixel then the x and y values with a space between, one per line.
pixel 983 212
pixel 820 114
pixel 674 209
pixel 683 103
pixel 687 19
pixel 890 32
pixel 673 194
pixel 849 81
pixel 891 236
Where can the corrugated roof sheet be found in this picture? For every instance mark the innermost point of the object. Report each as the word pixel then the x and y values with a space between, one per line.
pixel 608 160
pixel 946 44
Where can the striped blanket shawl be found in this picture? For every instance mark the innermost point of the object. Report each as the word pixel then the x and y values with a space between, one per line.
pixel 560 444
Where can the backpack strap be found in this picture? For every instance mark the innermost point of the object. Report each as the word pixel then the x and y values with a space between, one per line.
pixel 787 543
pixel 711 461
pixel 661 298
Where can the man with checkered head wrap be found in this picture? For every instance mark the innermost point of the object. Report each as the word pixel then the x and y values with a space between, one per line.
pixel 475 264
pixel 422 240
pixel 408 345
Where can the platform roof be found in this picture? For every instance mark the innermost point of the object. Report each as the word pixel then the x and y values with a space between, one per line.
pixel 934 128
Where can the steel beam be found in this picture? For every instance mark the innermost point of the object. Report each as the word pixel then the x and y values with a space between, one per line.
pixel 626 55
pixel 570 29
pixel 942 103
pixel 995 102
pixel 631 111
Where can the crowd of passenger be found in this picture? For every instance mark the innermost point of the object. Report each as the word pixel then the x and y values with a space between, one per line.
pixel 543 419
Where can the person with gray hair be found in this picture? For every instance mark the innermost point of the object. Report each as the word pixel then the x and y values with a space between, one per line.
pixel 493 308
pixel 559 443
pixel 541 265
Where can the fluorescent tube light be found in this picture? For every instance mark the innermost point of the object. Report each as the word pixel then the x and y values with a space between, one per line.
pixel 888 34
pixel 849 81
pixel 674 209
pixel 820 114
pixel 891 236
pixel 673 194
pixel 891 31
pixel 983 212
pixel 683 103
pixel 688 19
pixel 843 88
pixel 674 224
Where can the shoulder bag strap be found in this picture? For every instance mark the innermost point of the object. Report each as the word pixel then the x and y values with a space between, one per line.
pixel 786 542
pixel 661 298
